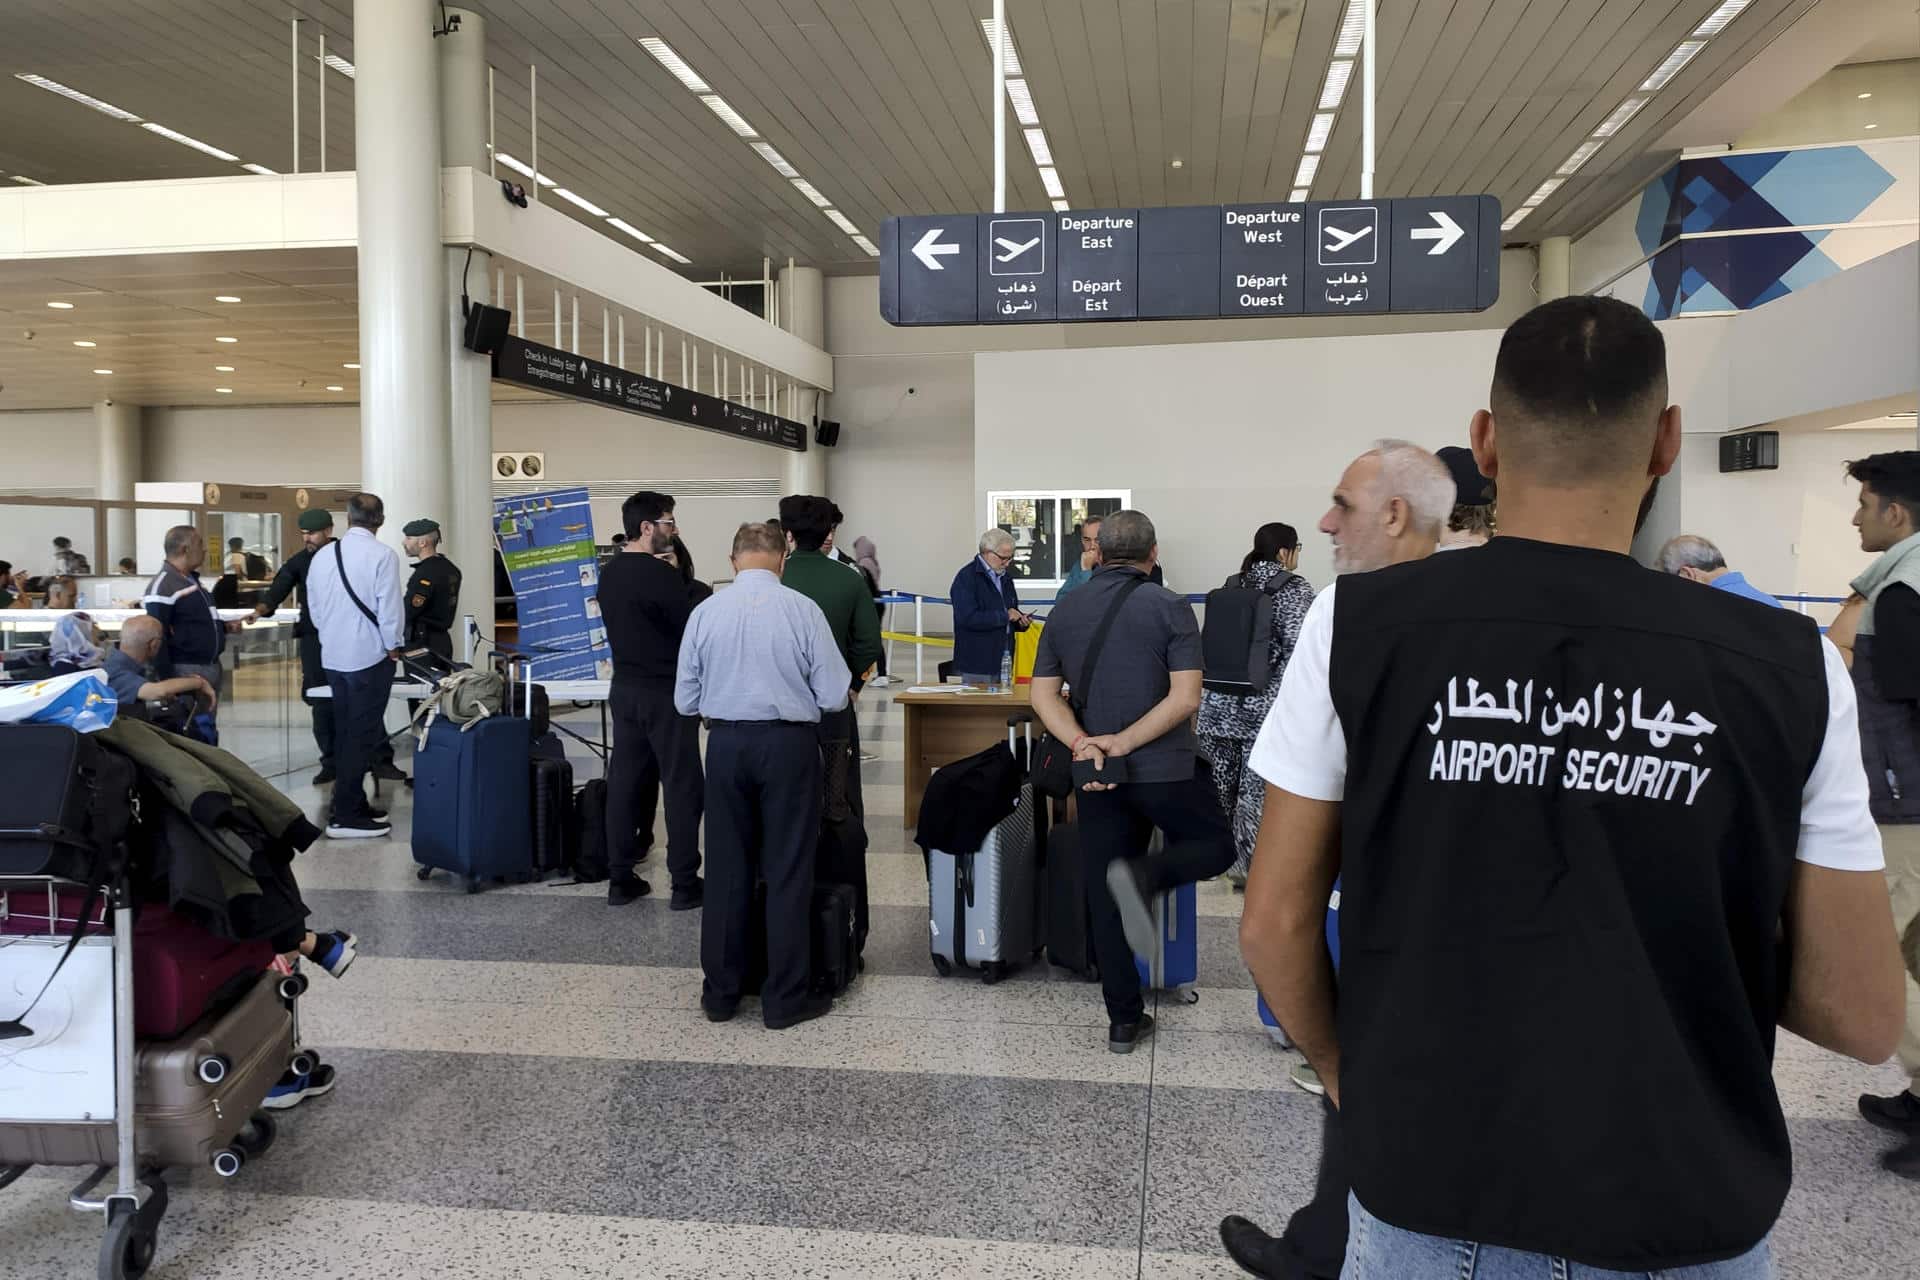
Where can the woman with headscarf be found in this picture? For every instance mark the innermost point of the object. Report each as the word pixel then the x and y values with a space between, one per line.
pixel 74 647
pixel 1230 722
pixel 866 558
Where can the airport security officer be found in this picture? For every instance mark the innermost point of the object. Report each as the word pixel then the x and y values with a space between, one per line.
pixel 433 589
pixel 316 531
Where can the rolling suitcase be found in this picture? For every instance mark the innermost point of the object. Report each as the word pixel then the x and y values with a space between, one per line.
pixel 836 938
pixel 1174 966
pixel 197 1094
pixel 550 804
pixel 985 906
pixel 1068 939
pixel 471 809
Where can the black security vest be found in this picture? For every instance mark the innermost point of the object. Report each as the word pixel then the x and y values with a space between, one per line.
pixel 1571 811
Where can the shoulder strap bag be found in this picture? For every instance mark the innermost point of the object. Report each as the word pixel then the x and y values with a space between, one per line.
pixel 340 562
pixel 1052 766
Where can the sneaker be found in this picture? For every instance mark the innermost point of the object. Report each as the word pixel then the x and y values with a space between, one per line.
pixel 1305 1077
pixel 810 1008
pixel 621 892
pixel 1897 1114
pixel 1904 1160
pixel 324 777
pixel 388 771
pixel 690 898
pixel 378 814
pixel 357 829
pixel 334 951
pixel 294 1090
pixel 1122 1036
pixel 1136 917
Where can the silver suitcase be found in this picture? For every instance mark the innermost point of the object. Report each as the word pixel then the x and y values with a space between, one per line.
pixel 985 906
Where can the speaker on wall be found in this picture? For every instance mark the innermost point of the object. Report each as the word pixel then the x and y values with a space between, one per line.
pixel 486 326
pixel 826 433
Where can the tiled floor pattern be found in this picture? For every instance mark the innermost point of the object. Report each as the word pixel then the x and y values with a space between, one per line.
pixel 528 1089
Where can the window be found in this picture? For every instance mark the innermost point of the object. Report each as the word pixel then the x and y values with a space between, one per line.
pixel 1046 528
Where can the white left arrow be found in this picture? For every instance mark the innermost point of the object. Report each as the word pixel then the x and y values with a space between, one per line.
pixel 1444 233
pixel 929 246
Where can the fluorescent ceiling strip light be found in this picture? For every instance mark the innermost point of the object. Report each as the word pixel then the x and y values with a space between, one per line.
pixel 25 181
pixel 1514 219
pixel 1061 206
pixel 1581 154
pixel 84 99
pixel 621 224
pixel 339 64
pixel 1022 99
pixel 1352 29
pixel 1717 20
pixel 1013 57
pixel 811 192
pixel 1303 176
pixel 1682 54
pixel 1298 196
pixel 525 171
pixel 1317 132
pixel 670 253
pixel 1037 144
pixel 663 54
pixel 1339 72
pixel 779 162
pixel 260 169
pixel 1541 192
pixel 1621 114
pixel 871 249
pixel 1050 179
pixel 841 221
pixel 735 121
pixel 186 141
pixel 580 202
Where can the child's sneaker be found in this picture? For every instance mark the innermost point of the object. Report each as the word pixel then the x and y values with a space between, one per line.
pixel 335 951
pixel 294 1090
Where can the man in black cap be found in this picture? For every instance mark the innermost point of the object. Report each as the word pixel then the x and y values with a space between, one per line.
pixel 316 531
pixel 1471 522
pixel 433 589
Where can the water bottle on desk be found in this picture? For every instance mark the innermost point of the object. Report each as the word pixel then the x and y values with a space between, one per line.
pixel 1006 674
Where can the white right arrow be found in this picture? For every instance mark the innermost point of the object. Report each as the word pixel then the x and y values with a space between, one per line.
pixel 929 245
pixel 1444 233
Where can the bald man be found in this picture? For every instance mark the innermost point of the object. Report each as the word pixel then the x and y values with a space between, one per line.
pixel 130 668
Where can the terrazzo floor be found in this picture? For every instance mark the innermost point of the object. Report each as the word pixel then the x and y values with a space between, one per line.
pixel 528 1089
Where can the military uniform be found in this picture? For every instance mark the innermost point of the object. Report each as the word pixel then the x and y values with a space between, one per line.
pixel 432 596
pixel 292 576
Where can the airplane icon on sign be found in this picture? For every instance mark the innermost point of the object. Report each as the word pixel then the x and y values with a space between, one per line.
pixel 1338 240
pixel 1012 248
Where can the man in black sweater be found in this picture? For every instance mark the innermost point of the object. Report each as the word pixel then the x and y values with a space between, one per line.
pixel 645 607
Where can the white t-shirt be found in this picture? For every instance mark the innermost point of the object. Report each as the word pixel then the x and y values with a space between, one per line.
pixel 1302 748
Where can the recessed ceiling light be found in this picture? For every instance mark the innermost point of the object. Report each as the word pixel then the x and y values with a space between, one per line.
pixel 1042 153
pixel 223 368
pixel 25 181
pixel 1682 54
pixel 186 141
pixel 1022 99
pixel 82 342
pixel 1318 131
pixel 61 306
pixel 1059 206
pixel 811 192
pixel 1863 96
pixel 871 249
pixel 226 339
pixel 1717 20
pixel 1515 218
pixel 85 100
pixel 580 201
pixel 224 297
pixel 1339 72
pixel 677 257
pixel 991 32
pixel 735 121
pixel 1309 166
pixel 522 168
pixel 339 64
pixel 781 165
pixel 225 391
pixel 1298 195
pixel 1353 28
pixel 336 388
pixel 1050 179
pixel 620 224
pixel 261 169
pixel 1177 163
pixel 664 54
pixel 843 222
pixel 1870 126
pixel 103 372
pixel 350 365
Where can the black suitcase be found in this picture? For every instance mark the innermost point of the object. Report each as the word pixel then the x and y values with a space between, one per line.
pixel 552 810
pixel 67 804
pixel 836 940
pixel 1069 945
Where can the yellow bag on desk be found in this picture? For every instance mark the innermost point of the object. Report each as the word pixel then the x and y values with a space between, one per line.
pixel 1026 651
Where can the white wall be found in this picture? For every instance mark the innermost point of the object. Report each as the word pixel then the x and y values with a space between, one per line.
pixel 56 452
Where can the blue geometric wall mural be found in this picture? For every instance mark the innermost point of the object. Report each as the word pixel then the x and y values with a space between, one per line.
pixel 1752 192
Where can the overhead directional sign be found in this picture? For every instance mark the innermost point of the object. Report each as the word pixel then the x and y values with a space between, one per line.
pixel 1415 254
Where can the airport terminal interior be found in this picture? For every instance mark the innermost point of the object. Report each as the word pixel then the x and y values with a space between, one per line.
pixel 954 266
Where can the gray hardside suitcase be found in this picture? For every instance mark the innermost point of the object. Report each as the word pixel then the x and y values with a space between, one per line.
pixel 198 1093
pixel 985 908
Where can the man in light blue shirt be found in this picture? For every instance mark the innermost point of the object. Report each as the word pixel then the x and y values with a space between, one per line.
pixel 353 597
pixel 760 663
pixel 1698 560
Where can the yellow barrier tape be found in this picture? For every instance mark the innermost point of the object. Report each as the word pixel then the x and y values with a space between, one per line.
pixel 937 642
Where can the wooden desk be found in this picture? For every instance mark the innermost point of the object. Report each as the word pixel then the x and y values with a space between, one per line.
pixel 944 727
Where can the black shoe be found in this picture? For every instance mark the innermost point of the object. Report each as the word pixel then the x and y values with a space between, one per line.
pixel 1257 1253
pixel 810 1008
pixel 1136 916
pixel 389 772
pixel 621 892
pixel 718 1012
pixel 324 777
pixel 1122 1036
pixel 378 814
pixel 1898 1114
pixel 689 898
pixel 357 829
pixel 1903 1160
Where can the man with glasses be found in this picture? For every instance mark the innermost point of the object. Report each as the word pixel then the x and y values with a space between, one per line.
pixel 986 610
pixel 1089 557
pixel 645 607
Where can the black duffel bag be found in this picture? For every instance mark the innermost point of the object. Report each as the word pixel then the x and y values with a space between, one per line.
pixel 67 805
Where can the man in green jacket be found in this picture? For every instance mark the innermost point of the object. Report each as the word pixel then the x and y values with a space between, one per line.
pixel 842 595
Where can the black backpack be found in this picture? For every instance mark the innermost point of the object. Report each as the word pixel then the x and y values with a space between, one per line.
pixel 1236 642
pixel 586 842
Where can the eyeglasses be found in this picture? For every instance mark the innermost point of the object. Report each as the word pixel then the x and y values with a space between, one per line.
pixel 667 523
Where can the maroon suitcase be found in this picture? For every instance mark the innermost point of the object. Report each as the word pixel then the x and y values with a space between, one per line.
pixel 181 972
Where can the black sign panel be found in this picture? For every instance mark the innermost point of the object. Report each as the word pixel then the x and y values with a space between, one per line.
pixel 1015 267
pixel 1098 276
pixel 529 364
pixel 1262 252
pixel 1180 263
pixel 1361 257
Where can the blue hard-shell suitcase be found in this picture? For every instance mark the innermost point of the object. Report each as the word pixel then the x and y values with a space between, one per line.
pixel 471 809
pixel 1175 967
pixel 1267 1020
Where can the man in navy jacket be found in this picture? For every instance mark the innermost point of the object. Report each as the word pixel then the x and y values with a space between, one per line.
pixel 985 609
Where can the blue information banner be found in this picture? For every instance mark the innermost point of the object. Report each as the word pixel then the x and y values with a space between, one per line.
pixel 546 540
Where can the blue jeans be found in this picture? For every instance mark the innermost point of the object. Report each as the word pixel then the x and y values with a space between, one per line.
pixel 1376 1251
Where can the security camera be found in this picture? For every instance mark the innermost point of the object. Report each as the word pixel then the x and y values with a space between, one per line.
pixel 514 192
pixel 911 390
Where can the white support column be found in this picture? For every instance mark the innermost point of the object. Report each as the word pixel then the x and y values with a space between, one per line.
pixel 558 321
pixel 404 444
pixel 520 306
pixel 467 523
pixel 606 337
pixel 803 314
pixel 463 90
pixel 117 424
pixel 575 348
pixel 622 325
pixel 1556 261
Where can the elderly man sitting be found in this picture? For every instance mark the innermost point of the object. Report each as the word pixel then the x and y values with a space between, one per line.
pixel 130 670
pixel 986 609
